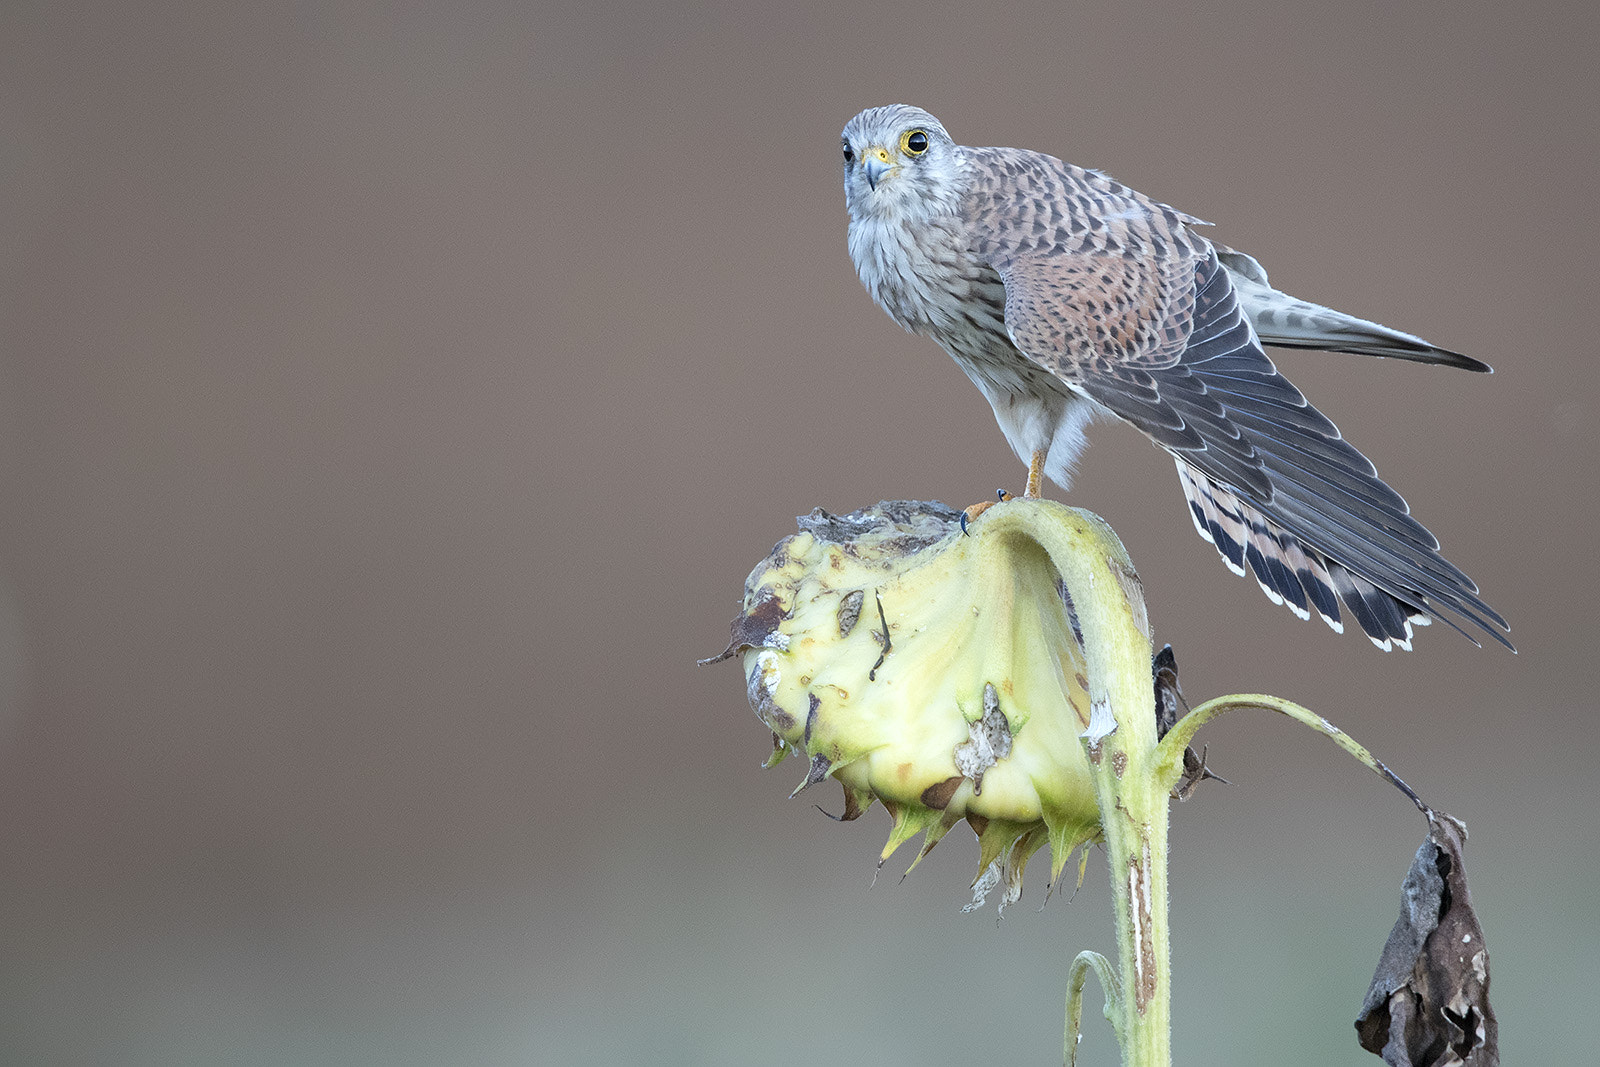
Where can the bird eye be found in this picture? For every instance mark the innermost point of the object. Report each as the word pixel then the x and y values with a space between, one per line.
pixel 849 156
pixel 914 143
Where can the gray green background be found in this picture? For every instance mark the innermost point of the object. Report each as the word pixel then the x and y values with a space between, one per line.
pixel 393 399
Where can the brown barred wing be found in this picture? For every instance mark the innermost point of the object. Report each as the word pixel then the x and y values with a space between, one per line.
pixel 1270 480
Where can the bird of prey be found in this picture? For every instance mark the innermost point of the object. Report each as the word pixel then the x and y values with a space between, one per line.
pixel 1066 296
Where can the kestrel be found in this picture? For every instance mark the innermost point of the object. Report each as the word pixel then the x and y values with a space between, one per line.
pixel 1065 296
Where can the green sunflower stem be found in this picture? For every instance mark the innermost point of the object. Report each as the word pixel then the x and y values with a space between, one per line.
pixel 1132 785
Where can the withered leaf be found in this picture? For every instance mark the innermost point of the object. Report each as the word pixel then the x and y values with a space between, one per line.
pixel 1170 707
pixel 1428 1005
pixel 1168 695
pixel 751 630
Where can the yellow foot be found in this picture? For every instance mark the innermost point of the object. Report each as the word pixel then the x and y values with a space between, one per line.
pixel 971 514
pixel 1035 486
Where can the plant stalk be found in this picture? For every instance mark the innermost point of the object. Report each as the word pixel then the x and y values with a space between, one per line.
pixel 1120 743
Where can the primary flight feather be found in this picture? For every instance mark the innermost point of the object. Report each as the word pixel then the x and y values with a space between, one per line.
pixel 1065 295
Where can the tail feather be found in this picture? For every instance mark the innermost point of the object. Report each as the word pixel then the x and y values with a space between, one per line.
pixel 1305 579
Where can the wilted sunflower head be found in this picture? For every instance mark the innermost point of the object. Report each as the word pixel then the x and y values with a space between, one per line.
pixel 940 674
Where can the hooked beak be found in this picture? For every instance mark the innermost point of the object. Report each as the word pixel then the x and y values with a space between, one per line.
pixel 876 163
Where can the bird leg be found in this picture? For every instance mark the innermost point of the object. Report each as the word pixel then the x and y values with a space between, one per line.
pixel 1036 474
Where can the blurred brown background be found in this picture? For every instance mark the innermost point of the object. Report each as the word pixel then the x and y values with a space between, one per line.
pixel 395 397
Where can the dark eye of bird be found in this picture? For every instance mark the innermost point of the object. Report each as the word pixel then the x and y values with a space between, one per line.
pixel 848 155
pixel 916 142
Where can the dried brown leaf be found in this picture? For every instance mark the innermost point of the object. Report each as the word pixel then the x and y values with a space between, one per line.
pixel 1170 707
pixel 1428 1005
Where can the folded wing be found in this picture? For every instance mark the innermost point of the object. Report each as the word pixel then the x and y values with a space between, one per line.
pixel 1167 345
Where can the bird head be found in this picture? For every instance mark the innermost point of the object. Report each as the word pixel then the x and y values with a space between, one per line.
pixel 898 160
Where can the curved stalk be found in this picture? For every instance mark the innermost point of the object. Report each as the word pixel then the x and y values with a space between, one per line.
pixel 1076 979
pixel 1169 754
pixel 1120 743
